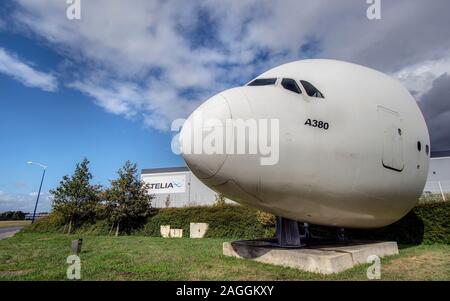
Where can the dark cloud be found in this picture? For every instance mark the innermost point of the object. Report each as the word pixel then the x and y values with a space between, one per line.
pixel 435 105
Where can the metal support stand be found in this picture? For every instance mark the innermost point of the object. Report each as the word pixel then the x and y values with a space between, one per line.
pixel 307 233
pixel 288 234
pixel 340 235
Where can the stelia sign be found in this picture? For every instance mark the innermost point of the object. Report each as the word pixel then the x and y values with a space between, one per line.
pixel 166 184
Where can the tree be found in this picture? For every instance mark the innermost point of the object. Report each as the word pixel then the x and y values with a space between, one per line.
pixel 127 199
pixel 76 198
pixel 12 216
pixel 18 215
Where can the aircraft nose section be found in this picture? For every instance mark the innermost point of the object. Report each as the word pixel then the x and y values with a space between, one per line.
pixel 203 140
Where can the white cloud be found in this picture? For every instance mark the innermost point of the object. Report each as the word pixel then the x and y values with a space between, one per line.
pixel 24 202
pixel 156 103
pixel 12 66
pixel 138 60
pixel 120 98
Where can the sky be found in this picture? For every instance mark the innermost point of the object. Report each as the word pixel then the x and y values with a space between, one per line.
pixel 107 86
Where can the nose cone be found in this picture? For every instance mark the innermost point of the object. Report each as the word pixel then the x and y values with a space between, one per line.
pixel 203 138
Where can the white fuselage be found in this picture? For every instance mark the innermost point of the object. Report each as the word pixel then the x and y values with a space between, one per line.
pixel 363 170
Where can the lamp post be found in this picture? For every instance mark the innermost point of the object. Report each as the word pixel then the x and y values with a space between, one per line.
pixel 40 186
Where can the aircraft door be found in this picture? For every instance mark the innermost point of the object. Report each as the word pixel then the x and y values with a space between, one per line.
pixel 392 139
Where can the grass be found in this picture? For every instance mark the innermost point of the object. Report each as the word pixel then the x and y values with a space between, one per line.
pixel 32 256
pixel 6 224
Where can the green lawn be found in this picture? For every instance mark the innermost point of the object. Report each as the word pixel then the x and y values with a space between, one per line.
pixel 31 256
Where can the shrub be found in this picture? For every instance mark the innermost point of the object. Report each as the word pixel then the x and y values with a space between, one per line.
pixel 232 221
pixel 428 224
pixel 266 219
pixel 100 227
pixel 53 223
pixel 436 222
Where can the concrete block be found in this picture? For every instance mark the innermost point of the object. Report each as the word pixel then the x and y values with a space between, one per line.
pixel 198 230
pixel 176 233
pixel 323 259
pixel 165 231
pixel 360 252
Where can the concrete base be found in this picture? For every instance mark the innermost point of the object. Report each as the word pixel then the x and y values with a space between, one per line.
pixel 198 230
pixel 176 233
pixel 317 258
pixel 165 231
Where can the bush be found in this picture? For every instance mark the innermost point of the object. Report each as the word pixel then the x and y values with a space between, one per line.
pixel 100 227
pixel 436 222
pixel 55 223
pixel 427 223
pixel 266 219
pixel 231 221
pixel 52 223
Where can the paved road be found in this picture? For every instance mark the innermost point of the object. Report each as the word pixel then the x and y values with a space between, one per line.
pixel 8 232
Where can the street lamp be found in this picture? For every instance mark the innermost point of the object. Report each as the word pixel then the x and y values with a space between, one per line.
pixel 39 193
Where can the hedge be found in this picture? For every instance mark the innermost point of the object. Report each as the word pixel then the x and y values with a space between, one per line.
pixel 427 224
pixel 223 221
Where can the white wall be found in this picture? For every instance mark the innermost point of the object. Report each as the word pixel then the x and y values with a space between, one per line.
pixel 193 193
pixel 438 173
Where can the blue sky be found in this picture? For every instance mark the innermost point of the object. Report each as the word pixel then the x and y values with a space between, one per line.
pixel 108 86
pixel 60 128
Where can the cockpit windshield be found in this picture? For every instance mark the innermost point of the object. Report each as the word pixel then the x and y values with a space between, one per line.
pixel 263 82
pixel 311 90
pixel 291 85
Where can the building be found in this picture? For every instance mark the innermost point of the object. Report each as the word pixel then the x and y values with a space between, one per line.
pixel 439 173
pixel 29 216
pixel 177 187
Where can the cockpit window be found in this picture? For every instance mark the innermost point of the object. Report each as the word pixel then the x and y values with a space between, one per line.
pixel 311 90
pixel 263 82
pixel 291 85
